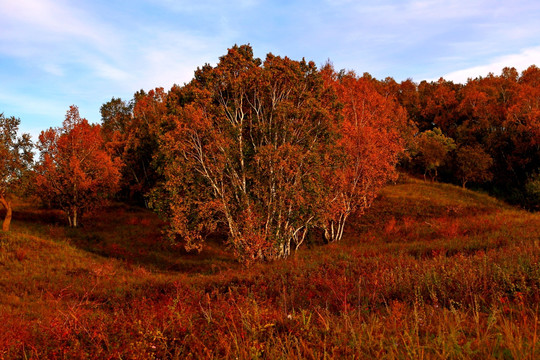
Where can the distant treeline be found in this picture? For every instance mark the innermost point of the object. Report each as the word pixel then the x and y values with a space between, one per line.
pixel 485 132
pixel 493 122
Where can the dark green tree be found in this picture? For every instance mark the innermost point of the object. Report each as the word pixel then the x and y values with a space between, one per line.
pixel 15 160
pixel 433 149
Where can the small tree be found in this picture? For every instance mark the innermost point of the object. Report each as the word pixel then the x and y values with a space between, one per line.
pixel 433 148
pixel 15 160
pixel 75 172
pixel 473 164
pixel 370 141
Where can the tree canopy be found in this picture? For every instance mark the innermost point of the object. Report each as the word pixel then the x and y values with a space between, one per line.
pixel 370 137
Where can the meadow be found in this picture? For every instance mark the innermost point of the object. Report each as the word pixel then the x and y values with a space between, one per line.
pixel 430 271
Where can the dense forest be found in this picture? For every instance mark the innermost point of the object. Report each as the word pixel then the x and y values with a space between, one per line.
pixel 270 152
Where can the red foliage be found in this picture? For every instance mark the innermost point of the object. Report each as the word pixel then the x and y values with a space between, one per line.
pixel 370 140
pixel 245 150
pixel 75 172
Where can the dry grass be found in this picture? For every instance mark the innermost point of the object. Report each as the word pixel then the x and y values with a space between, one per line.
pixel 430 272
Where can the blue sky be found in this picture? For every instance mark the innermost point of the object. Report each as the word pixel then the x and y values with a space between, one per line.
pixel 55 53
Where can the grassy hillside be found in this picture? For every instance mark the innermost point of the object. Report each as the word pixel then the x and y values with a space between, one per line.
pixel 431 271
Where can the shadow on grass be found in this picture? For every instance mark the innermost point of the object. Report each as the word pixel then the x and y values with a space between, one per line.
pixel 126 233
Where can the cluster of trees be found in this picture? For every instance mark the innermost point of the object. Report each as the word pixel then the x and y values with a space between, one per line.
pixel 486 131
pixel 75 172
pixel 267 151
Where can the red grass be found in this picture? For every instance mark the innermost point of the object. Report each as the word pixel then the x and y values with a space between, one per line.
pixel 446 284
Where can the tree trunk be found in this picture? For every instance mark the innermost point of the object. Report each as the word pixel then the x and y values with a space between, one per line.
pixel 335 233
pixel 327 236
pixel 72 218
pixel 75 219
pixel 9 214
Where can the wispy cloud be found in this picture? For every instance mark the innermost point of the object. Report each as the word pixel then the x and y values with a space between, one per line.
pixel 188 6
pixel 46 22
pixel 33 106
pixel 84 57
pixel 427 38
pixel 521 61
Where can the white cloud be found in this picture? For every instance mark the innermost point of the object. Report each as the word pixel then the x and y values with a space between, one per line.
pixel 169 56
pixel 521 61
pixel 46 21
pixel 57 37
pixel 187 6
pixel 418 11
pixel 94 56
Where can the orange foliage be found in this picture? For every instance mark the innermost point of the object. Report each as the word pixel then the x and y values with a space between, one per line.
pixel 370 140
pixel 245 152
pixel 75 172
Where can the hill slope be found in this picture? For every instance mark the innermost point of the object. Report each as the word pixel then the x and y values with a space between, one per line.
pixel 431 271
